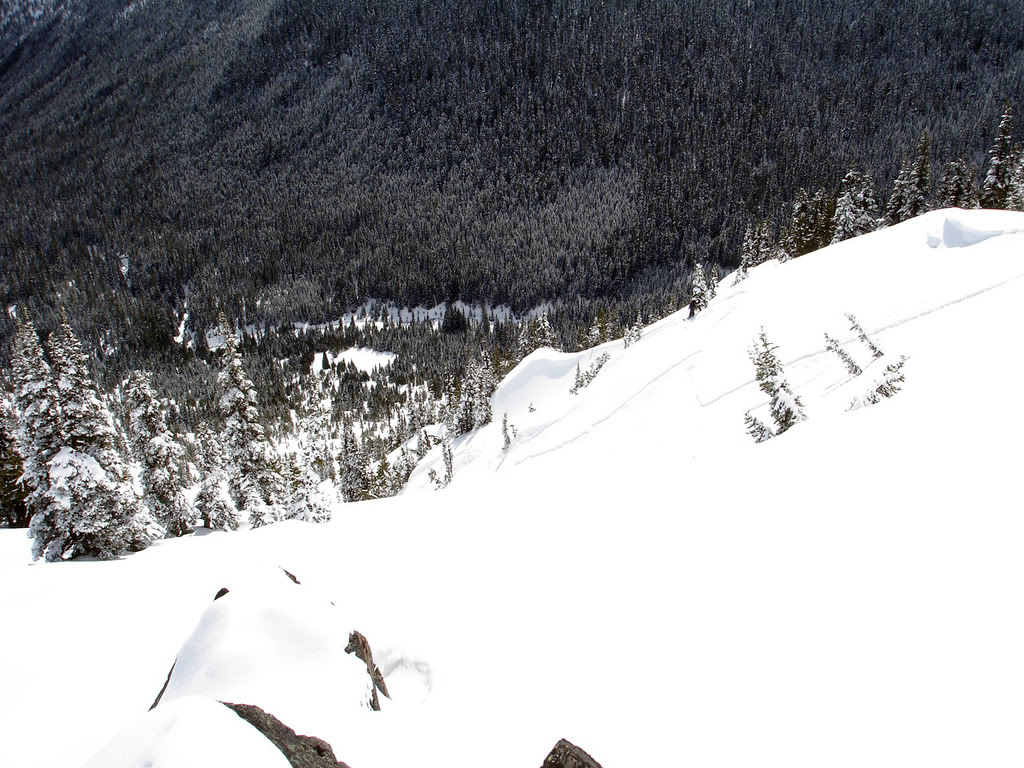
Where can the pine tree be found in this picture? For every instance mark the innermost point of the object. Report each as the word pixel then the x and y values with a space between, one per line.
pixel 12 490
pixel 699 294
pixel 38 429
pixel 801 238
pixel 834 346
pixel 913 186
pixel 889 384
pixel 576 384
pixel 634 332
pixel 545 334
pixel 91 508
pixel 161 456
pixel 505 436
pixel 306 502
pixel 214 500
pixel 856 210
pixel 857 328
pixel 757 428
pixel 785 407
pixel 957 189
pixel 1002 159
pixel 255 484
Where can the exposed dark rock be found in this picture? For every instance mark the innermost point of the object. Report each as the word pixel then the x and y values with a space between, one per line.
pixel 290 575
pixel 168 680
pixel 360 646
pixel 300 751
pixel 220 593
pixel 567 755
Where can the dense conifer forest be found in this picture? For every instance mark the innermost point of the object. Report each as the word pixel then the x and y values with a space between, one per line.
pixel 284 161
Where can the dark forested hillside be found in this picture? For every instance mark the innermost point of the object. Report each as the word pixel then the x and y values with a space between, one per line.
pixel 286 159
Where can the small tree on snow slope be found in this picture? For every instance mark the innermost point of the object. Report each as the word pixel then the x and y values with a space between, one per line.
pixel 161 456
pixel 857 328
pixel 835 347
pixel 785 407
pixel 890 382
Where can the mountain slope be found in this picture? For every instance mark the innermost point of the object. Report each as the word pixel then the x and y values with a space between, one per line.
pixel 287 159
pixel 635 574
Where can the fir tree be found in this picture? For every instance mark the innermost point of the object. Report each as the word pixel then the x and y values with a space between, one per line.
pixel 785 407
pixel 957 189
pixel 545 334
pixel 505 436
pixel 856 210
pixel 699 294
pixel 214 500
pixel 756 428
pixel 255 485
pixel 887 385
pixel 576 384
pixel 38 432
pixel 1002 159
pixel 12 490
pixel 306 502
pixel 834 346
pixel 857 328
pixel 634 332
pixel 913 185
pixel 161 456
pixel 91 508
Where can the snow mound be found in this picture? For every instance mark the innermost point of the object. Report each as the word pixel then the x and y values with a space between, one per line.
pixel 956 228
pixel 277 645
pixel 191 732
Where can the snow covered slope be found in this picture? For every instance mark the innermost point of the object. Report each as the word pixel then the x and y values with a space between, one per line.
pixel 634 573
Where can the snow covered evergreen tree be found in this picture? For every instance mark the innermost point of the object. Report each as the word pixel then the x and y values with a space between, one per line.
pixel 1002 159
pixel 857 328
pixel 214 502
pixel 91 507
pixel 306 502
pixel 634 332
pixel 38 429
pixel 890 382
pixel 255 483
pixel 757 428
pixel 161 456
pixel 545 334
pixel 912 187
pixel 834 346
pixel 699 293
pixel 785 407
pixel 12 490
pixel 856 209
pixel 957 189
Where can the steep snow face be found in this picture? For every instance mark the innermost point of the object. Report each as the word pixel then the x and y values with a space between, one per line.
pixel 634 573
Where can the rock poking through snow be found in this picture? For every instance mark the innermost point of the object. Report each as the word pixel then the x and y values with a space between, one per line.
pixel 300 751
pixel 567 755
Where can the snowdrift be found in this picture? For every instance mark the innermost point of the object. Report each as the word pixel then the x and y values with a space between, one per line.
pixel 634 574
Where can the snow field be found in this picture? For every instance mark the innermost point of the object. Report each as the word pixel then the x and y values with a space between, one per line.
pixel 634 574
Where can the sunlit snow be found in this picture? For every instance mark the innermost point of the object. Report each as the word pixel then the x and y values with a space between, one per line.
pixel 633 573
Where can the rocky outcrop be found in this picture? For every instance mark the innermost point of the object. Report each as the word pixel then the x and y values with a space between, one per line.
pixel 567 755
pixel 360 646
pixel 300 751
